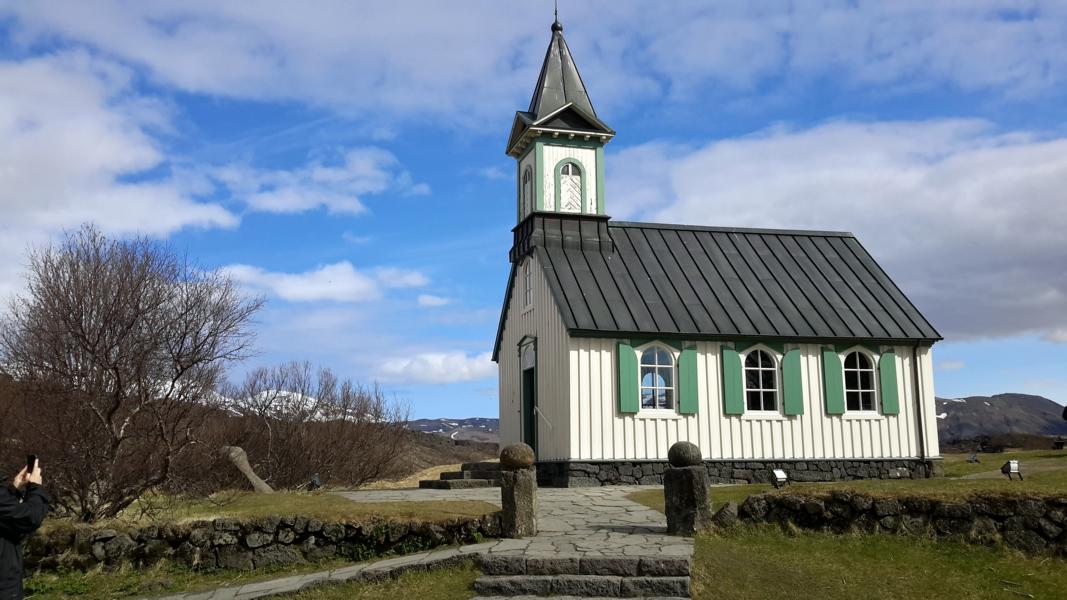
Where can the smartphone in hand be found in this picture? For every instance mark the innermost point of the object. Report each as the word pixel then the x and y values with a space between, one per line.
pixel 31 463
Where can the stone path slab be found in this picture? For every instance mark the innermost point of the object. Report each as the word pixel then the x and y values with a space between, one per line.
pixel 576 526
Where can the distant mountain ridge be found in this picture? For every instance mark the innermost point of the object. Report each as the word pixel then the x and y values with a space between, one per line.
pixel 973 416
pixel 480 429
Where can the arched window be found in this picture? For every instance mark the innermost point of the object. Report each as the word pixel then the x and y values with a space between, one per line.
pixel 527 285
pixel 570 187
pixel 761 381
pixel 527 191
pixel 859 382
pixel 657 378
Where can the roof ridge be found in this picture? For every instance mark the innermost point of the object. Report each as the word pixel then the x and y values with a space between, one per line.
pixel 759 230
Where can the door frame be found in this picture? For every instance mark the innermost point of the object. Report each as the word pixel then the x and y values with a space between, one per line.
pixel 528 391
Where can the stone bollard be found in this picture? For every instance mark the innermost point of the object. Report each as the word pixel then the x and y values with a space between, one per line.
pixel 518 491
pixel 685 490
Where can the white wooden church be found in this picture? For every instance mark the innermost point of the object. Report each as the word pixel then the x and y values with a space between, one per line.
pixel 765 348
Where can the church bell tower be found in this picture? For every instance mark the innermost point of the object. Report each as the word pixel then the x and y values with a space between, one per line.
pixel 558 143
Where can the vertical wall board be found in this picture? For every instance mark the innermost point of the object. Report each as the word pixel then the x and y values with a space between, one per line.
pixel 887 379
pixel 792 384
pixel 732 383
pixel 833 384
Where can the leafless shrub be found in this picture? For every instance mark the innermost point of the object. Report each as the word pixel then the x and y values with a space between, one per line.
pixel 118 346
pixel 294 421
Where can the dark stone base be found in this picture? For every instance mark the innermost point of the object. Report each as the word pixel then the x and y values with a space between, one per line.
pixel 562 473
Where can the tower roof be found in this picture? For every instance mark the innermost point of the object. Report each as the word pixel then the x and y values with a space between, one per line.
pixel 559 83
pixel 560 103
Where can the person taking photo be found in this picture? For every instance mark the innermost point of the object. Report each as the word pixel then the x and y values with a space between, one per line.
pixel 23 506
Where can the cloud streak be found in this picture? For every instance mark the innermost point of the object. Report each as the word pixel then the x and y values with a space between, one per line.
pixel 438 367
pixel 338 282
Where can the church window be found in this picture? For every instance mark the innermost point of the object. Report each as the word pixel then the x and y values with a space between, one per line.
pixel 527 285
pixel 761 381
pixel 859 382
pixel 527 191
pixel 570 187
pixel 657 378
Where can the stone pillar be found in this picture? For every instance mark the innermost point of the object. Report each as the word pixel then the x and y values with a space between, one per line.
pixel 685 490
pixel 518 491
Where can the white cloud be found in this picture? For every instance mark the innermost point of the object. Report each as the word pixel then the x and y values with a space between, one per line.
pixel 435 64
pixel 336 186
pixel 338 282
pixel 73 142
pixel 431 300
pixel 438 367
pixel 400 278
pixel 968 220
pixel 950 365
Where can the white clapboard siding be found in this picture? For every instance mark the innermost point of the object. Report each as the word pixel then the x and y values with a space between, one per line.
pixel 543 322
pixel 600 432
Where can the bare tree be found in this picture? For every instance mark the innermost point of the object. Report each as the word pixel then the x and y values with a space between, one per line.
pixel 294 421
pixel 122 344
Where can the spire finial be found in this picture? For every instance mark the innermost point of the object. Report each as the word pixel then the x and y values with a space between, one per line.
pixel 556 25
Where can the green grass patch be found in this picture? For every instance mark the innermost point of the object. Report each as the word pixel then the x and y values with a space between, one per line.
pixel 956 465
pixel 127 582
pixel 323 506
pixel 451 583
pixel 758 562
pixel 1041 482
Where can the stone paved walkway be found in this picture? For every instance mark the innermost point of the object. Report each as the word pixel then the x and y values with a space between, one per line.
pixel 576 522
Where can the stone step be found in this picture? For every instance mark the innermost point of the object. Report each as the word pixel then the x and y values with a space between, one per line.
pixel 471 475
pixel 577 564
pixel 583 586
pixel 481 466
pixel 456 484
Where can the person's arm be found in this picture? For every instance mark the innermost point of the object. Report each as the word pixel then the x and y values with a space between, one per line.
pixel 19 519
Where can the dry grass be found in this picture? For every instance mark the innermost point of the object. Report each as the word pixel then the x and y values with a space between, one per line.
pixel 410 481
pixel 453 583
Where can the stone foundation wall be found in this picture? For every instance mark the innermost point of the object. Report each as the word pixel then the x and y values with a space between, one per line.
pixel 247 544
pixel 1033 524
pixel 597 473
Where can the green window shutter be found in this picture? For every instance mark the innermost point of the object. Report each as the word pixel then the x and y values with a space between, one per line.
pixel 687 382
pixel 627 378
pixel 732 393
pixel 792 384
pixel 887 381
pixel 833 386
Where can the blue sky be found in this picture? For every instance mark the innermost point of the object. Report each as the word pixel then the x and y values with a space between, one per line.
pixel 346 159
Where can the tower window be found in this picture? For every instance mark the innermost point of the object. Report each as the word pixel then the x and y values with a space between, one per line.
pixel 527 191
pixel 570 187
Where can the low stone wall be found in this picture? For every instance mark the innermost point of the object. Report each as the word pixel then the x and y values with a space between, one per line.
pixel 596 473
pixel 247 544
pixel 1033 524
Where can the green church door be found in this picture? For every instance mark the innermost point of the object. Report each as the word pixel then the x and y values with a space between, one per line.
pixel 529 395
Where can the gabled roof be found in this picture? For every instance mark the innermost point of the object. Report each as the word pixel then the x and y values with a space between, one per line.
pixel 617 279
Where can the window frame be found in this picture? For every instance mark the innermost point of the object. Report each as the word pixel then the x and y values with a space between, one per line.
pixel 527 191
pixel 583 181
pixel 776 358
pixel 658 411
pixel 527 285
pixel 875 390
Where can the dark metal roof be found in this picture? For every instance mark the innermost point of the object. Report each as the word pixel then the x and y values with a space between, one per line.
pixel 638 279
pixel 559 83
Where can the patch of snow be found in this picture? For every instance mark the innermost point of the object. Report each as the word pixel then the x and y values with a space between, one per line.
pixel 942 415
pixel 988 404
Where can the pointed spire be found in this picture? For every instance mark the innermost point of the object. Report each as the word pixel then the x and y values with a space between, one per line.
pixel 559 83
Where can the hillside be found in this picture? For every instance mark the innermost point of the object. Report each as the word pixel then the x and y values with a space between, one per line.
pixel 478 429
pixel 967 418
